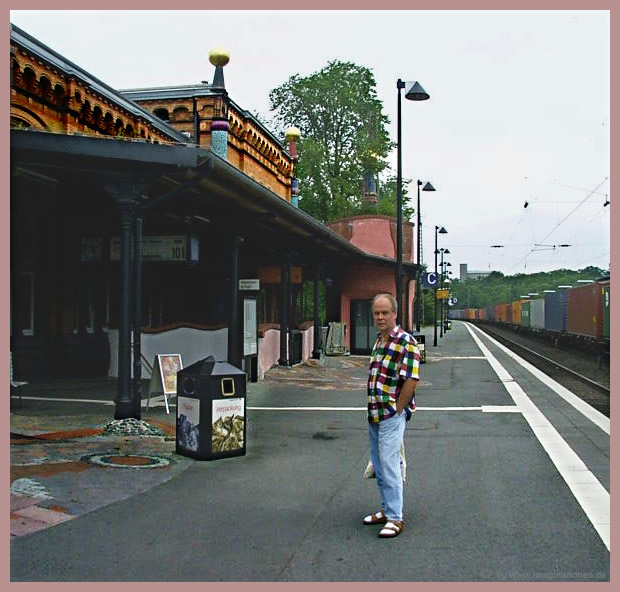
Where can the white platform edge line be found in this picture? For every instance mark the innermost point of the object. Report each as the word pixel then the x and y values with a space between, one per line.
pixel 588 491
pixel 159 402
pixel 571 398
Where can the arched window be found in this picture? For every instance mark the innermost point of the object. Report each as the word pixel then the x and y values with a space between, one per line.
pixel 129 131
pixel 19 123
pixel 97 116
pixel 59 95
pixel 162 113
pixel 45 87
pixel 108 123
pixel 29 78
pixel 181 114
pixel 85 112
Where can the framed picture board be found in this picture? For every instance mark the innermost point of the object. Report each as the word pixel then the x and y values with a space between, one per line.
pixel 164 377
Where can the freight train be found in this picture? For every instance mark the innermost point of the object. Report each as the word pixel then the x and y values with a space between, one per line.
pixel 574 314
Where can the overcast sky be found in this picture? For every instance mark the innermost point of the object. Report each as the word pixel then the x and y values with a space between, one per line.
pixel 519 107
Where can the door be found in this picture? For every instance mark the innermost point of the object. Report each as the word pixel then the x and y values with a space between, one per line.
pixel 363 331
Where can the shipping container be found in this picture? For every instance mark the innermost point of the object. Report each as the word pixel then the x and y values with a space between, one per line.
pixel 537 314
pixel 525 313
pixel 502 312
pixel 490 312
pixel 515 306
pixel 606 295
pixel 555 310
pixel 606 320
pixel 584 308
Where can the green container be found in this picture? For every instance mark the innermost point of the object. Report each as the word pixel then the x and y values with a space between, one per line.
pixel 525 313
pixel 606 311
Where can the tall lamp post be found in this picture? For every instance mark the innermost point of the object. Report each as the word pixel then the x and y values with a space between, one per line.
pixel 415 93
pixel 446 275
pixel 443 251
pixel 418 291
pixel 438 230
pixel 443 269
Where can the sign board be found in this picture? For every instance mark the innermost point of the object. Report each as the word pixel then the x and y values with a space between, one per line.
pixel 443 294
pixel 182 249
pixel 250 333
pixel 164 376
pixel 249 284
pixel 429 280
pixel 452 301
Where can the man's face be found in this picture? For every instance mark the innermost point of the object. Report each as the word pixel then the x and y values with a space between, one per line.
pixel 384 316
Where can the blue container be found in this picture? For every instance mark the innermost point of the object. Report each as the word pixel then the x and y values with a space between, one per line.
pixel 555 311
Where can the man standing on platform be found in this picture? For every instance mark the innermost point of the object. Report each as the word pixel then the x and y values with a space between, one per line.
pixel 392 380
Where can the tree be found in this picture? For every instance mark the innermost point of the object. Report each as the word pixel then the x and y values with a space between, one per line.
pixel 343 136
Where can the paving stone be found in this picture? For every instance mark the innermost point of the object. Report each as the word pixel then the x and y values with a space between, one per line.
pixel 44 515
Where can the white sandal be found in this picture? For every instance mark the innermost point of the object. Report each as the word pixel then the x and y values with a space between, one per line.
pixel 392 529
pixel 376 518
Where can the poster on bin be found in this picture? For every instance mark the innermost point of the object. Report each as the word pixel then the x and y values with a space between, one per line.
pixel 188 423
pixel 227 430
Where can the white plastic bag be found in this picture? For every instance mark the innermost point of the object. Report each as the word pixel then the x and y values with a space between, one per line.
pixel 369 471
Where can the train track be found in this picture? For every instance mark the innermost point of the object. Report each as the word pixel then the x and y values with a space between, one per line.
pixel 591 391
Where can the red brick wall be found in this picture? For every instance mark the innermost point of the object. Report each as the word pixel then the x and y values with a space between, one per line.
pixel 376 234
pixel 363 282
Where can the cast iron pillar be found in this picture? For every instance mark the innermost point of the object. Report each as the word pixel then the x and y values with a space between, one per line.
pixel 124 403
pixel 127 195
pixel 234 327
pixel 316 351
pixel 137 316
pixel 284 312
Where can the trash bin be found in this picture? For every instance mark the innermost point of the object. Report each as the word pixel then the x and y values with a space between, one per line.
pixel 421 339
pixel 211 421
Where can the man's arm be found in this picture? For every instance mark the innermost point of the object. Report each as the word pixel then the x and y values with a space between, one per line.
pixel 405 394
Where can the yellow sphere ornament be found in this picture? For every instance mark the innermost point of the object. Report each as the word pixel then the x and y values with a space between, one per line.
pixel 219 56
pixel 292 134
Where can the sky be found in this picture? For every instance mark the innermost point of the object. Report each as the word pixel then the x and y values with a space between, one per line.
pixel 519 108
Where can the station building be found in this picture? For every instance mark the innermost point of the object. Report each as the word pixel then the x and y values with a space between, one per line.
pixel 165 220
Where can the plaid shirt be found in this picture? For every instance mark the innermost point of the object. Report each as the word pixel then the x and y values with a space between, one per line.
pixel 391 364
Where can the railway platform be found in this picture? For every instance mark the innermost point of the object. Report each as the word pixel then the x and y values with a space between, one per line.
pixel 507 480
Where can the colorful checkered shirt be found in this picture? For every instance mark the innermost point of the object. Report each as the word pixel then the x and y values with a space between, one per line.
pixel 391 364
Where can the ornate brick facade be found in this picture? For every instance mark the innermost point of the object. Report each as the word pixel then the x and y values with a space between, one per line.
pixel 251 148
pixel 44 97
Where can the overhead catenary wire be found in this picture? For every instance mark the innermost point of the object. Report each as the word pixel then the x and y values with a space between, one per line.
pixel 542 240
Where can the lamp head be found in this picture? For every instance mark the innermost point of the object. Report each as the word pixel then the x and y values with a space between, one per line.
pixel 416 93
pixel 427 187
pixel 442 230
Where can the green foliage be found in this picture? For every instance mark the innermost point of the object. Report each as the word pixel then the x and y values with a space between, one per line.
pixel 387 199
pixel 343 135
pixel 497 288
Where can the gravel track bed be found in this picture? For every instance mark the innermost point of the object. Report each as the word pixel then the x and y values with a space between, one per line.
pixel 579 361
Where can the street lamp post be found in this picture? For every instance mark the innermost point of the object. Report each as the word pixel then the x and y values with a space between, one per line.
pixel 415 93
pixel 418 294
pixel 438 230
pixel 446 279
pixel 443 251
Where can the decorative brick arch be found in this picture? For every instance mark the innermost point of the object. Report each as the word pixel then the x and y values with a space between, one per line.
pixel 30 119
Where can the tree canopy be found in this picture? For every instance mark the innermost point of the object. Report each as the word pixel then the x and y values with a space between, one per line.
pixel 344 137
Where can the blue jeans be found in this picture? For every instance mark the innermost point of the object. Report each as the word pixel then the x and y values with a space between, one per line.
pixel 386 438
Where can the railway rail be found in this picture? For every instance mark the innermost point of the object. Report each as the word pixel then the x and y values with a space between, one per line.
pixel 591 390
